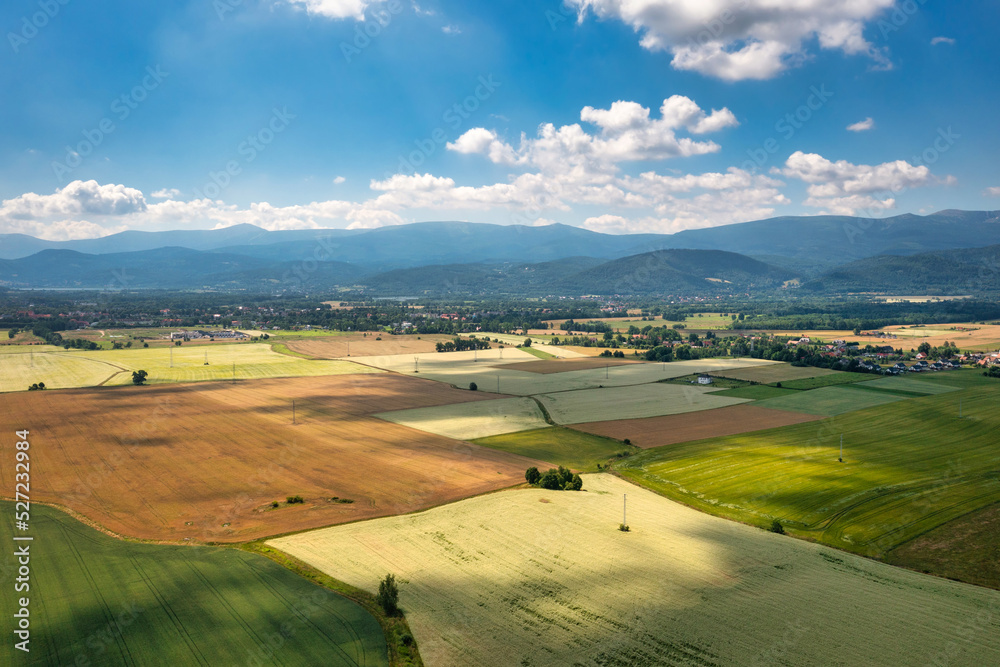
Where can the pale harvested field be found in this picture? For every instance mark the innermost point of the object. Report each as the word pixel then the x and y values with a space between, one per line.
pixel 776 373
pixel 361 346
pixel 533 577
pixel 979 337
pixel 59 368
pixel 544 367
pixel 538 339
pixel 461 368
pixel 466 421
pixel 673 429
pixel 56 369
pixel 203 462
pixel 634 402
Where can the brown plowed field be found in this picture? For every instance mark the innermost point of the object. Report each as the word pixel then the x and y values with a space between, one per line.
pixel 364 346
pixel 547 366
pixel 203 462
pixel 672 429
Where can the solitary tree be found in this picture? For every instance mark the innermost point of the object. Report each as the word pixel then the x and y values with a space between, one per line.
pixel 388 595
pixel 139 377
pixel 532 475
pixel 473 386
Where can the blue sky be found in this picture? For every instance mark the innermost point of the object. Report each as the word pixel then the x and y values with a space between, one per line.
pixel 337 113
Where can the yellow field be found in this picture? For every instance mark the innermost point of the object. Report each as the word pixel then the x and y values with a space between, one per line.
pixel 466 421
pixel 24 365
pixel 59 368
pixel 534 577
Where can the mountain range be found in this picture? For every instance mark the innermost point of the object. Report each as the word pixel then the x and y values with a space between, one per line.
pixel 824 253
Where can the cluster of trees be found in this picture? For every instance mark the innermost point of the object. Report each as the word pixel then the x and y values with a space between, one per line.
pixel 38 386
pixel 554 479
pixel 463 344
pixel 79 344
pixel 993 372
pixel 617 354
pixel 139 377
pixel 946 351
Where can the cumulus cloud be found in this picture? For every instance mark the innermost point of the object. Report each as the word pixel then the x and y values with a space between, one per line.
pixel 992 192
pixel 862 125
pixel 166 193
pixel 942 40
pixel 338 180
pixel 626 133
pixel 77 198
pixel 336 9
pixel 844 188
pixel 735 40
pixel 451 30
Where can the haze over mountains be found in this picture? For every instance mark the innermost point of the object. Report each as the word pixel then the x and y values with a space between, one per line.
pixel 827 253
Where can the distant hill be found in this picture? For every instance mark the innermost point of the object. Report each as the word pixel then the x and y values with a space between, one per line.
pixel 430 256
pixel 840 239
pixel 809 244
pixel 478 278
pixel 165 268
pixel 687 272
pixel 968 270
pixel 678 272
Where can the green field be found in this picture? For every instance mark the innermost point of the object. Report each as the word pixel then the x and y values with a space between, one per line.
pixel 717 382
pixel 756 392
pixel 95 600
pixel 631 402
pixel 561 446
pixel 908 467
pixel 783 372
pixel 909 384
pixel 826 381
pixel 59 368
pixel 535 577
pixel 829 401
pixel 538 353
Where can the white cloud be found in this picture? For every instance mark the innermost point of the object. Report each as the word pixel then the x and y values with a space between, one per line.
pixel 626 134
pixel 843 188
pixel 942 40
pixel 744 39
pixel 166 193
pixel 862 125
pixel 451 30
pixel 992 192
pixel 77 198
pixel 336 9
pixel 338 180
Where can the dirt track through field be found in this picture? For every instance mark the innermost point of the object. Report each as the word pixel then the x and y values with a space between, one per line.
pixel 672 429
pixel 204 461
